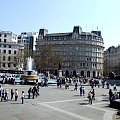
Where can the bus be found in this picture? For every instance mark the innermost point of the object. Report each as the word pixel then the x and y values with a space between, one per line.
pixel 14 74
pixel 5 71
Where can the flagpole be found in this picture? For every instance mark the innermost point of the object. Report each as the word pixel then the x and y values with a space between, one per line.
pixel 92 33
pixel 86 32
pixel 97 32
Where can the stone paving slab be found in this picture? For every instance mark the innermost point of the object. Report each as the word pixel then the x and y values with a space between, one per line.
pixel 58 104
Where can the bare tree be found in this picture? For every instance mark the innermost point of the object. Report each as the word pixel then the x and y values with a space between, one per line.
pixel 117 69
pixel 18 58
pixel 106 67
pixel 47 59
pixel 1 56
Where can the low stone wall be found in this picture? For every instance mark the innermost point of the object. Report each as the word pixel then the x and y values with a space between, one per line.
pixel 115 104
pixel 112 82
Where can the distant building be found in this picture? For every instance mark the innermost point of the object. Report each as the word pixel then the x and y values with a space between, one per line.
pixel 82 51
pixel 112 60
pixel 8 50
pixel 28 39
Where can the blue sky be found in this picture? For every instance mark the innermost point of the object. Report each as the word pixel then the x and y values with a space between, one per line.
pixel 61 15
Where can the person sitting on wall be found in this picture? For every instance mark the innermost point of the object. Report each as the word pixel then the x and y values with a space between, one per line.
pixel 107 84
pixel 114 87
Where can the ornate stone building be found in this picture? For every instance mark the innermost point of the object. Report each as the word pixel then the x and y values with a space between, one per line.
pixel 82 51
pixel 112 60
pixel 9 50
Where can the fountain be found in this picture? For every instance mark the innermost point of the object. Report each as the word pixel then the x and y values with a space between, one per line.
pixel 30 73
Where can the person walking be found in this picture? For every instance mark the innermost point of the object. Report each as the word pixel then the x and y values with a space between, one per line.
pixel 12 93
pixel 81 90
pixel 90 97
pixel 1 92
pixel 33 91
pixel 3 95
pixel 110 95
pixel 29 92
pixel 16 94
pixel 22 97
pixel 75 86
pixel 93 94
pixel 6 95
pixel 58 82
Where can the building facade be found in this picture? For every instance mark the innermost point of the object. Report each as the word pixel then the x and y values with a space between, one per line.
pixel 9 50
pixel 112 60
pixel 28 39
pixel 82 51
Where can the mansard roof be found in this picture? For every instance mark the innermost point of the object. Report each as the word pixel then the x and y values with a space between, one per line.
pixel 59 34
pixel 69 34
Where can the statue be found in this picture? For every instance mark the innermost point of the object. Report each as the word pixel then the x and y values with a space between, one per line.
pixel 59 67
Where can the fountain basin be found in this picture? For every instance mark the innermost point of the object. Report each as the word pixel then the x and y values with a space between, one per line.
pixel 29 72
pixel 29 77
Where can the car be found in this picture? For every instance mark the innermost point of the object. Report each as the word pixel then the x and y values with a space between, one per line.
pixel 1 79
pixel 52 81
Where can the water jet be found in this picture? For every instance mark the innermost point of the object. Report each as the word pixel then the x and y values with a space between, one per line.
pixel 30 73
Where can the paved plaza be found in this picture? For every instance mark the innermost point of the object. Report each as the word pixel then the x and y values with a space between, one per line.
pixel 58 104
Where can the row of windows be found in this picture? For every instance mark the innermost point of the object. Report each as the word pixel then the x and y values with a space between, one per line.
pixel 8 65
pixel 4 40
pixel 90 54
pixel 4 35
pixel 9 51
pixel 5 46
pixel 8 58
pixel 77 49
pixel 76 42
pixel 88 37
pixel 23 37
pixel 23 41
pixel 82 64
pixel 9 46
pixel 85 59
pixel 13 37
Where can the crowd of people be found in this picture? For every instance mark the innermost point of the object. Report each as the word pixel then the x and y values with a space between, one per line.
pixel 92 82
pixel 6 79
pixel 79 82
pixel 34 91
pixel 14 95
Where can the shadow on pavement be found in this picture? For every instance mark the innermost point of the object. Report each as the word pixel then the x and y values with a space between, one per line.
pixel 76 95
pixel 105 100
pixel 83 103
pixel 16 103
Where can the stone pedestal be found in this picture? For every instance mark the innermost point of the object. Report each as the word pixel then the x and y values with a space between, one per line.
pixel 60 73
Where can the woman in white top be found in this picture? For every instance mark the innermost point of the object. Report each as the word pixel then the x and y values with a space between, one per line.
pixel 16 94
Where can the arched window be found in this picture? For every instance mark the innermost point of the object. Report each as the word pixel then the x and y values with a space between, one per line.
pixel 15 58
pixel 94 74
pixel 88 73
pixel 98 74
pixel 3 58
pixel 67 73
pixel 74 73
pixel 82 73
pixel 9 65
pixel 9 58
